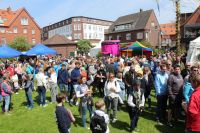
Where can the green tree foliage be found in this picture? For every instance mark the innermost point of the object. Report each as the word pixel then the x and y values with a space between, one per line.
pixel 84 46
pixel 147 44
pixel 21 44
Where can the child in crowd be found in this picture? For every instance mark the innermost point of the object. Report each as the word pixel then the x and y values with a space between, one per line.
pixel 99 121
pixel 15 81
pixel 64 117
pixel 29 87
pixel 86 101
pixel 136 102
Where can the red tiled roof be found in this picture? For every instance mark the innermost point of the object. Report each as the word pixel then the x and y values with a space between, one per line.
pixel 8 16
pixel 58 39
pixel 168 29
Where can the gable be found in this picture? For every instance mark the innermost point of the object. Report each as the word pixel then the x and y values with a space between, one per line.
pixel 194 18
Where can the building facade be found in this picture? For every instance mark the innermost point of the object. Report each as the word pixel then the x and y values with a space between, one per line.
pixel 62 45
pixel 168 35
pixel 76 28
pixel 141 26
pixel 18 23
pixel 190 28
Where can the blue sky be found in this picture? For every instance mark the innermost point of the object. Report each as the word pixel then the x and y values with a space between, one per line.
pixel 46 12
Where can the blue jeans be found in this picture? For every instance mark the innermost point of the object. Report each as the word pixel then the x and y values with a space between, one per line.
pixel 134 117
pixel 29 99
pixel 42 95
pixel 63 88
pixel 122 94
pixel 84 109
pixel 7 103
pixel 1 98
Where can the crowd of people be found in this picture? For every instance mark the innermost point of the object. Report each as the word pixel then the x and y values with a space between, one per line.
pixel 117 82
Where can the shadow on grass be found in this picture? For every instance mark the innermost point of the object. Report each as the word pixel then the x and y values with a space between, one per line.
pixel 120 125
pixel 78 120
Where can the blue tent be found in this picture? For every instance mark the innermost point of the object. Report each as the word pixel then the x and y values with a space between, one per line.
pixel 8 52
pixel 41 49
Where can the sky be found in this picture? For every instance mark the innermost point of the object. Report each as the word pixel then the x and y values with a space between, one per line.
pixel 47 12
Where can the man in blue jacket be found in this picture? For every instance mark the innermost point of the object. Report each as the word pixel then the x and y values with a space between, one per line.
pixel 161 79
pixel 63 78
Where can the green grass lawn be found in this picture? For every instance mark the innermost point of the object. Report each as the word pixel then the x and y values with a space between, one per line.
pixel 42 120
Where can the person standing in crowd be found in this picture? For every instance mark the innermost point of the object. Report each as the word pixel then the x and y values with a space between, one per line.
pixel 128 79
pixel 29 87
pixel 111 93
pixel 41 84
pixel 147 84
pixel 170 68
pixel 187 87
pixel 136 102
pixel 175 91
pixel 185 72
pixel 161 79
pixel 53 85
pixel 99 121
pixel 179 63
pixel 75 75
pixel 6 92
pixel 122 93
pixel 193 112
pixel 64 117
pixel 63 78
pixel 83 93
pixel 101 79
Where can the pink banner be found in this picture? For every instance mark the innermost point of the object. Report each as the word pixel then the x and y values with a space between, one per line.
pixel 110 49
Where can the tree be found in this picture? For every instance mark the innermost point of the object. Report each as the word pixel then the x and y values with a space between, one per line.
pixel 21 44
pixel 178 34
pixel 147 44
pixel 84 46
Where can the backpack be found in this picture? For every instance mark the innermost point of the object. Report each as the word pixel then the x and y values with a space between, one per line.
pixel 98 124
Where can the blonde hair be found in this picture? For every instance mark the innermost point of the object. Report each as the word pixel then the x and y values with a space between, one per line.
pixel 99 104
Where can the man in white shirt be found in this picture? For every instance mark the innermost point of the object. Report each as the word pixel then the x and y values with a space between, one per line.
pixel 111 92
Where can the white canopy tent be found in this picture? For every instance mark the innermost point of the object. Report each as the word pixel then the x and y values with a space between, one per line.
pixel 94 51
pixel 193 54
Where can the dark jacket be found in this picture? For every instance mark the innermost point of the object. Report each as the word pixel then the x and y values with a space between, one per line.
pixel 175 85
pixel 128 78
pixel 147 85
pixel 63 76
pixel 75 74
pixel 29 86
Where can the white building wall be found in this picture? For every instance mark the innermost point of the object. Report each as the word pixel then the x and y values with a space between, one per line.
pixel 93 31
pixel 64 30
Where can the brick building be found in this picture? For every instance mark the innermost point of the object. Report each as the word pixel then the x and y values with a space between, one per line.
pixel 168 38
pixel 76 28
pixel 141 26
pixel 190 28
pixel 62 45
pixel 18 23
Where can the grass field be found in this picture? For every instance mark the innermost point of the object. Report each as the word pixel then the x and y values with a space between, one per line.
pixel 42 120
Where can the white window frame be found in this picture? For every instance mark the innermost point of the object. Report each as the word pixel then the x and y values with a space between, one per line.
pixel 33 31
pixel 75 27
pixel 33 41
pixel 15 30
pixel 25 31
pixel 24 21
pixel 140 35
pixel 3 40
pixel 128 36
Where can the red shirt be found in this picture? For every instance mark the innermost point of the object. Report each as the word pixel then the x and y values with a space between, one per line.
pixel 11 70
pixel 193 114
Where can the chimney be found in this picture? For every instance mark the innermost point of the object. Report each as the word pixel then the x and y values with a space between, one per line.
pixel 9 9
pixel 141 10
